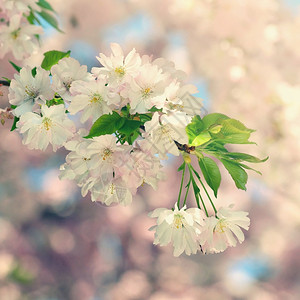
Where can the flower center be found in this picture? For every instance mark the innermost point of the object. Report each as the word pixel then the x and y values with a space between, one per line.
pixel 67 84
pixel 221 226
pixel 15 33
pixel 146 92
pixel 96 98
pixel 47 123
pixel 166 132
pixel 120 71
pixel 112 188
pixel 175 106
pixel 30 91
pixel 107 153
pixel 178 221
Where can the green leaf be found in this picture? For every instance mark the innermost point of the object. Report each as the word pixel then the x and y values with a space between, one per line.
pixel 237 173
pixel 33 71
pixel 194 128
pixel 14 125
pixel 7 79
pixel 213 119
pixel 16 67
pixel 45 4
pixel 129 126
pixel 211 173
pixel 237 156
pixel 154 109
pixel 215 147
pixel 51 58
pixel 106 124
pixel 50 19
pixel 195 132
pixel 233 132
pixel 21 275
pixel 248 168
pixel 200 139
pixel 181 167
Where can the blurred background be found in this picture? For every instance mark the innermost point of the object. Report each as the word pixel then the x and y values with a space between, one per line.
pixel 244 58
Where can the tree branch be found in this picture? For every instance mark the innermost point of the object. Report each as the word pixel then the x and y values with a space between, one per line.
pixel 4 82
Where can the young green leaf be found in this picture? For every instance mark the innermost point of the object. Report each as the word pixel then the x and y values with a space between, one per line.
pixel 194 128
pixel 248 168
pixel 200 139
pixel 7 79
pixel 14 125
pixel 245 157
pixel 129 126
pixel 52 58
pixel 237 173
pixel 44 4
pixel 33 71
pixel 181 167
pixel 50 19
pixel 106 124
pixel 195 132
pixel 234 132
pixel 16 67
pixel 211 173
pixel 213 119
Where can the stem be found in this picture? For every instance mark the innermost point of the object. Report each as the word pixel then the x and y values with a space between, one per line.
pixel 199 178
pixel 187 191
pixel 203 204
pixel 181 184
pixel 4 82
pixel 197 193
pixel 208 196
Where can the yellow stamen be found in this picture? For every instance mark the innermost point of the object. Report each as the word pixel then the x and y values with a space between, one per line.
pixel 221 226
pixel 106 153
pixel 178 221
pixel 120 71
pixel 15 33
pixel 96 98
pixel 29 91
pixel 112 189
pixel 47 123
pixel 146 92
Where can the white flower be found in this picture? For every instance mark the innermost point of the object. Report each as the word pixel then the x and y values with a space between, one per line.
pixel 181 227
pixel 118 68
pixel 93 97
pixel 20 6
pixel 147 89
pixel 65 73
pixel 114 192
pixel 76 166
pixel 52 127
pixel 26 91
pixel 180 99
pixel 218 232
pixel 161 133
pixel 19 38
pixel 106 157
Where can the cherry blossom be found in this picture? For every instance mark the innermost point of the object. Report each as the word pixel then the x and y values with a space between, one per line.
pixel 223 230
pixel 53 127
pixel 181 227
pixel 19 38
pixel 64 73
pixel 27 91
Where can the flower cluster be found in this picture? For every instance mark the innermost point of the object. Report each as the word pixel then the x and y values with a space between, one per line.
pixel 141 112
pixel 17 34
pixel 190 230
